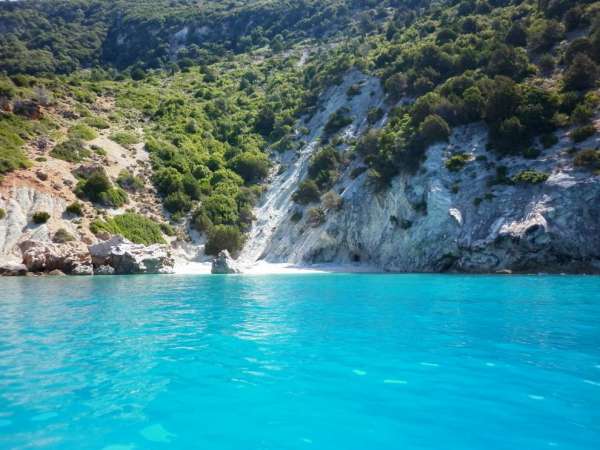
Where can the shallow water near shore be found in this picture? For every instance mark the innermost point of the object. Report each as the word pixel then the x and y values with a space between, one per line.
pixel 312 361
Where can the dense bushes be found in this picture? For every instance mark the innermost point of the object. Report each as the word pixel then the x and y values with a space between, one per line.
pixel 135 227
pixel 97 188
pixel 12 132
pixel 60 36
pixel 208 131
pixel 221 209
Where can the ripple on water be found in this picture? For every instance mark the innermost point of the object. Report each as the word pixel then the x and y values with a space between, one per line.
pixel 157 433
pixel 394 381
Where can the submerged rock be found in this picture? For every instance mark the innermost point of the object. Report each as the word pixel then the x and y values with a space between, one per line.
pixel 71 258
pixel 56 273
pixel 224 264
pixel 125 257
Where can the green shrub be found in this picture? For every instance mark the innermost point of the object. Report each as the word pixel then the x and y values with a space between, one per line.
pixel 434 129
pixel 135 227
pixel 40 217
pixel 2 213
pixel 582 114
pixel 75 208
pixel 168 229
pixel 374 115
pixel 548 140
pixel 296 216
pixel 124 138
pixel 98 188
pixel 307 192
pixel 323 167
pixel 82 132
pixel 177 202
pixel 581 74
pixel 98 150
pixel 200 221
pixel 582 133
pixel 357 171
pixel 331 200
pixel 530 177
pixel 168 180
pixel 588 159
pixel 253 167
pixel 531 153
pixel 457 161
pixel 508 137
pixel 220 209
pixel 316 216
pixel 353 90
pixel 12 156
pixel 97 122
pixel 224 237
pixel 61 236
pixel 337 121
pixel 114 197
pixel 130 182
pixel 71 150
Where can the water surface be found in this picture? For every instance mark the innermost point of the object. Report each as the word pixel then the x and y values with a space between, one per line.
pixel 300 362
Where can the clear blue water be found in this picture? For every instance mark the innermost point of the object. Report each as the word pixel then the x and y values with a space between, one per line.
pixel 300 362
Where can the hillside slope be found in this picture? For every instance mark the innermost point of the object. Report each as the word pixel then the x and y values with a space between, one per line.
pixel 396 135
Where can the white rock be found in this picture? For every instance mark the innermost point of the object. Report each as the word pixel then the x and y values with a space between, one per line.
pixel 71 257
pixel 126 257
pixel 224 264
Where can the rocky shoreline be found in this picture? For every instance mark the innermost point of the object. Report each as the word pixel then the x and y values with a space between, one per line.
pixel 114 256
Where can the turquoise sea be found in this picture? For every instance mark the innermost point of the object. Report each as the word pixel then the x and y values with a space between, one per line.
pixel 280 362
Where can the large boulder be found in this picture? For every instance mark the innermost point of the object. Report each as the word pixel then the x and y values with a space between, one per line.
pixel 125 257
pixel 224 264
pixel 13 270
pixel 71 258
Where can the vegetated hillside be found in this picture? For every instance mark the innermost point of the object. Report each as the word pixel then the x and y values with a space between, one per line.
pixel 213 88
pixel 62 36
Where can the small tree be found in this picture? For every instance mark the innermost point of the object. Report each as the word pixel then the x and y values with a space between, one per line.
pixel 581 74
pixel 331 200
pixel 224 237
pixel 40 217
pixel 434 129
pixel 307 192
pixel 517 36
pixel 252 166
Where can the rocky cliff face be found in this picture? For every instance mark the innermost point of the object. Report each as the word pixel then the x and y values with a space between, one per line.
pixel 20 202
pixel 441 220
